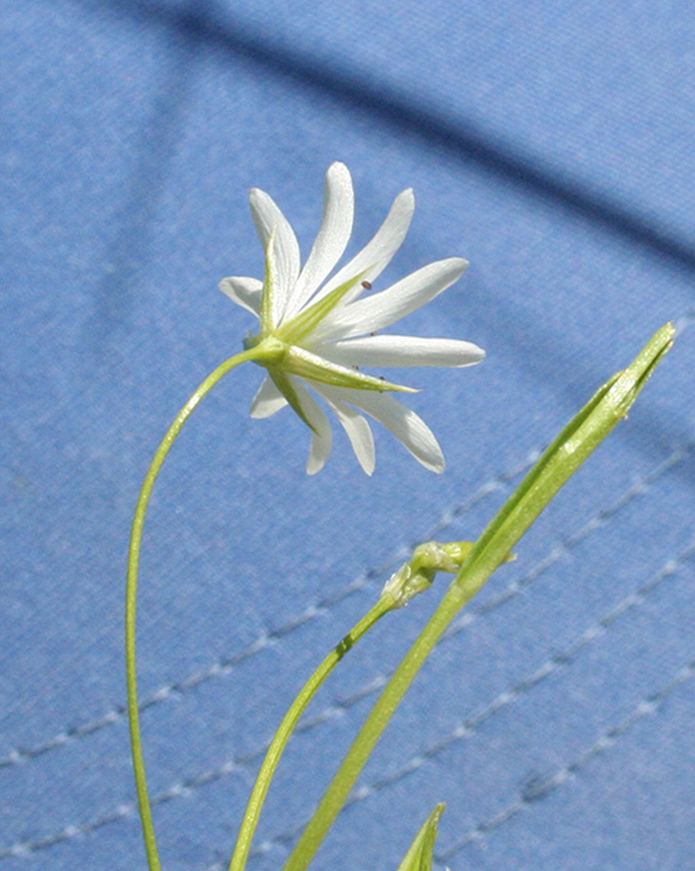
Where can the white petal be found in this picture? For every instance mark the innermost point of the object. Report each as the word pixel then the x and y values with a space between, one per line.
pixel 383 309
pixel 407 426
pixel 245 292
pixel 322 435
pixel 332 238
pixel 377 254
pixel 357 428
pixel 268 218
pixel 402 351
pixel 267 400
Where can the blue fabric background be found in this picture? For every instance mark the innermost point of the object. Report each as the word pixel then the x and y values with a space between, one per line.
pixel 548 142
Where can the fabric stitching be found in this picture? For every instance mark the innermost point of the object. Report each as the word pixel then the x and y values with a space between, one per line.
pixel 221 667
pixel 462 730
pixel 685 320
pixel 565 546
pixel 648 705
pixel 507 697
pixel 563 658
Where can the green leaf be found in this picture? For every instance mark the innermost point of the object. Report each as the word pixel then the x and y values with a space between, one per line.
pixel 421 854
pixel 582 435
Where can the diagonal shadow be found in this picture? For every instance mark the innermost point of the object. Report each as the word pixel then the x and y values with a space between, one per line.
pixel 130 245
pixel 461 139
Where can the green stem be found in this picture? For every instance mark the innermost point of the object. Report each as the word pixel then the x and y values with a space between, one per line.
pixel 341 785
pixel 132 592
pixel 558 463
pixel 287 727
pixel 411 579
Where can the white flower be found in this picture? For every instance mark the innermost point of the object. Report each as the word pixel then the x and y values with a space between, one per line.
pixel 320 332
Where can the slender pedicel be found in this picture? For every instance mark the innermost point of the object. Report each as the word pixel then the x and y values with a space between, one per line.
pixel 132 592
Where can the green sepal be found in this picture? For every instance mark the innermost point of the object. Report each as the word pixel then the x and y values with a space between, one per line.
pixel 305 323
pixel 303 363
pixel 284 385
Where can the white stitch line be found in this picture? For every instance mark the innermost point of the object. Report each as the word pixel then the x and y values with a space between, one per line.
pixel 685 320
pixel 19 755
pixel 183 788
pixel 646 706
pixel 223 667
pixel 462 730
pixel 470 726
pixel 639 488
pixel 550 666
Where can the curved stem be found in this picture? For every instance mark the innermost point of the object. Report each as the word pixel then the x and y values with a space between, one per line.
pixel 132 590
pixel 287 727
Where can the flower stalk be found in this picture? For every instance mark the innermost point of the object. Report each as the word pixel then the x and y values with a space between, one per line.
pixel 132 592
